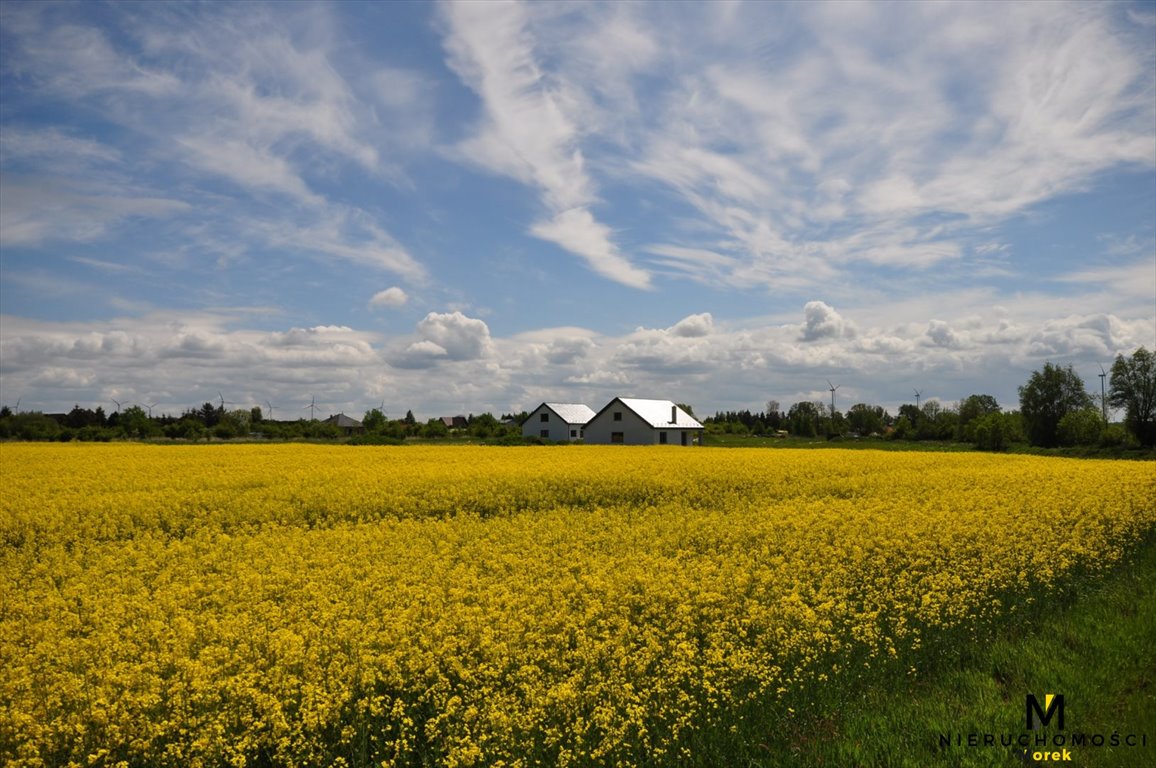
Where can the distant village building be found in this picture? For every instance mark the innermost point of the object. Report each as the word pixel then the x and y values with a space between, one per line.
pixel 455 422
pixel 347 425
pixel 557 421
pixel 634 421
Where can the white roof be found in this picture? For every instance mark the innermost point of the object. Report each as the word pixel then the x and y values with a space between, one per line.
pixel 657 413
pixel 571 413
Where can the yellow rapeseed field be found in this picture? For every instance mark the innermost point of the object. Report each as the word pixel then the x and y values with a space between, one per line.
pixel 300 605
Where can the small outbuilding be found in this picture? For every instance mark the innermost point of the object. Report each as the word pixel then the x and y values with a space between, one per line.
pixel 347 425
pixel 557 421
pixel 635 421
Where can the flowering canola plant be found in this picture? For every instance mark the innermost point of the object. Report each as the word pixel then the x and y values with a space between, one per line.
pixel 306 605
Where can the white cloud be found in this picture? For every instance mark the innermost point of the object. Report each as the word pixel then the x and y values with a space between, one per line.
pixel 843 156
pixel 460 337
pixel 579 232
pixel 694 326
pixel 52 146
pixel 182 360
pixel 823 322
pixel 942 335
pixel 526 133
pixel 38 211
pixel 390 297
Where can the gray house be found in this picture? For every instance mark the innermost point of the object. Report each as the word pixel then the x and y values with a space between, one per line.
pixel 557 421
pixel 634 421
pixel 346 424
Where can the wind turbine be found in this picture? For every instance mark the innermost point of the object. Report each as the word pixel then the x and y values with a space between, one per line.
pixel 833 388
pixel 1103 396
pixel 223 400
pixel 150 408
pixel 117 404
pixel 917 395
pixel 270 409
pixel 312 405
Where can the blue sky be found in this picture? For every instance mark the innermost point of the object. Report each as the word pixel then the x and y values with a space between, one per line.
pixel 480 206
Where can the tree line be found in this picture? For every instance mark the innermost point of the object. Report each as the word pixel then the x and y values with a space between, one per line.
pixel 1054 410
pixel 216 422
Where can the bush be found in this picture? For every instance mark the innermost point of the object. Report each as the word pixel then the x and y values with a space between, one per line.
pixel 1117 436
pixel 375 439
pixel 1082 427
pixel 996 431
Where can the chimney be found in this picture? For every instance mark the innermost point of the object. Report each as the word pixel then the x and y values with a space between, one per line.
pixel 674 414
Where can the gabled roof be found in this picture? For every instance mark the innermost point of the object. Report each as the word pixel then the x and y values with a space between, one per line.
pixel 656 413
pixel 343 421
pixel 571 413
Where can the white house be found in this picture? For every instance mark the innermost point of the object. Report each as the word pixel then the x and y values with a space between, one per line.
pixel 557 421
pixel 633 421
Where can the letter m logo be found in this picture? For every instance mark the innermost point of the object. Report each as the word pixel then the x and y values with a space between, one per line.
pixel 1039 717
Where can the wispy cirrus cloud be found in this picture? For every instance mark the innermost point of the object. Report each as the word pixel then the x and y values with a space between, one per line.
pixel 881 134
pixel 527 133
pixel 257 98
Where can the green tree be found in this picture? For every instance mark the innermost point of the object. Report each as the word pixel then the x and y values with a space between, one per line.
pixel 134 422
pixel 972 408
pixel 935 422
pixel 996 431
pixel 1133 388
pixel 484 425
pixel 803 419
pixel 1048 396
pixel 373 421
pixel 210 414
pixel 866 419
pixel 1082 427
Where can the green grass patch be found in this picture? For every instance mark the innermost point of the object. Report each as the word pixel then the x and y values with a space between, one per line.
pixel 1099 652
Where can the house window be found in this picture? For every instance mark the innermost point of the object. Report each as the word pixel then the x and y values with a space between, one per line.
pixel 544 433
pixel 545 417
pixel 573 434
pixel 662 438
pixel 618 415
pixel 617 437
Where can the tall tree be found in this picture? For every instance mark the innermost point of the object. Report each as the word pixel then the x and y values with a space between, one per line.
pixel 1048 396
pixel 1133 388
pixel 973 408
pixel 803 419
pixel 866 419
pixel 373 420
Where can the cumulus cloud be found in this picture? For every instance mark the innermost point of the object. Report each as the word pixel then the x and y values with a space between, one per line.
pixel 446 336
pixel 823 322
pixel 463 338
pixel 390 297
pixel 694 326
pixel 941 334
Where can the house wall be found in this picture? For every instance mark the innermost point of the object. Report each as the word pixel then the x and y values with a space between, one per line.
pixel 555 427
pixel 635 431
